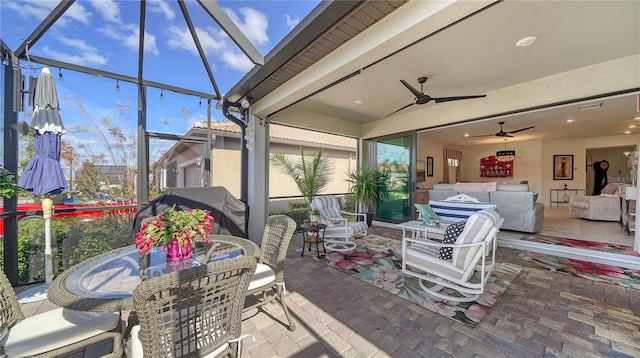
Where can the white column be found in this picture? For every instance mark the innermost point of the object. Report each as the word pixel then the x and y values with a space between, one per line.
pixel 258 185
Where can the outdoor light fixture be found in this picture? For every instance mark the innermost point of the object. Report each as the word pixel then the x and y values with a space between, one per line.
pixel 245 103
pixel 5 60
pixel 60 77
pixel 161 94
pixel 118 85
pixel 200 103
pixel 505 155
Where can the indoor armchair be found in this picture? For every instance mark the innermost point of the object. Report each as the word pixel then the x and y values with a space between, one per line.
pixel 603 208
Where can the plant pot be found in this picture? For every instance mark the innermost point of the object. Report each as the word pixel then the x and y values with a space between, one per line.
pixel 314 220
pixel 369 219
pixel 177 252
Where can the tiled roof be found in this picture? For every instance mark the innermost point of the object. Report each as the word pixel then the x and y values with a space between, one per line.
pixel 287 133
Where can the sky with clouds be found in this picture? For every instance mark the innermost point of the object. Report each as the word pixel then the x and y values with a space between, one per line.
pixel 104 34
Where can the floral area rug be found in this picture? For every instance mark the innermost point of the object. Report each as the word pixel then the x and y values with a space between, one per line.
pixel 582 244
pixel 377 260
pixel 585 269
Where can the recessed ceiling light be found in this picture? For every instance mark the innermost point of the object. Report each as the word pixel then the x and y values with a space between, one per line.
pixel 627 132
pixel 637 118
pixel 466 135
pixel 359 101
pixel 632 126
pixel 569 120
pixel 526 41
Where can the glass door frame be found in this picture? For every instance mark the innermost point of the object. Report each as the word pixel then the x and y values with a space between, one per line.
pixel 369 157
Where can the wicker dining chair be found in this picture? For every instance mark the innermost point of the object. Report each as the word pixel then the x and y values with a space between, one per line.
pixel 54 332
pixel 196 312
pixel 270 270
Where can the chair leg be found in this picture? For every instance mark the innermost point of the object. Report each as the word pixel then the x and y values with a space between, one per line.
pixel 280 292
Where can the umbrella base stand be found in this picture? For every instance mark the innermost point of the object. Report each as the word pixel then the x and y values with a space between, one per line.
pixel 33 294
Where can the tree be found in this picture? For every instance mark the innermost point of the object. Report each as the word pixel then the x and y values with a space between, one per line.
pixel 87 178
pixel 311 177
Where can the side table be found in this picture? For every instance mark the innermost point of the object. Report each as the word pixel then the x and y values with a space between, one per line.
pixel 310 239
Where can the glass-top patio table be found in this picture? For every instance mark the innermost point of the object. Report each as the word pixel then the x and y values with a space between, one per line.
pixel 105 283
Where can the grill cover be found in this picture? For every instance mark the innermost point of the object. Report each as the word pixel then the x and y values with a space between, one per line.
pixel 229 212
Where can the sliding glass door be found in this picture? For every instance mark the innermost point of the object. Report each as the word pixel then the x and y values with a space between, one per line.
pixel 394 158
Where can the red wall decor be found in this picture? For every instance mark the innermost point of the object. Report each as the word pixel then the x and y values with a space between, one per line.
pixel 491 167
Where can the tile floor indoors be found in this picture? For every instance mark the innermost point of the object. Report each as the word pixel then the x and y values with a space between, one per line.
pixel 542 314
pixel 601 231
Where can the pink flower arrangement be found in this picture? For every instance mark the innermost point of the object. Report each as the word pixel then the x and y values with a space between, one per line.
pixel 183 226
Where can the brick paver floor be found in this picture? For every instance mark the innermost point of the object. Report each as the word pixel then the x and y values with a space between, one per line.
pixel 542 314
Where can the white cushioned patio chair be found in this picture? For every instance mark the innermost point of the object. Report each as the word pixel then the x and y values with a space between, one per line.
pixel 52 333
pixel 269 274
pixel 467 268
pixel 339 229
pixel 196 312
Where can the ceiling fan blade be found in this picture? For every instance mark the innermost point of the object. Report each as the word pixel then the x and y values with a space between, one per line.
pixel 483 135
pixel 415 92
pixel 448 99
pixel 398 110
pixel 521 129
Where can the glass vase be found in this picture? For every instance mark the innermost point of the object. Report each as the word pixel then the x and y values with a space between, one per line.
pixel 177 252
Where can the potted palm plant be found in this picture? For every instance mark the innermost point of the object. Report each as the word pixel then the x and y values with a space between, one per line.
pixel 311 176
pixel 367 186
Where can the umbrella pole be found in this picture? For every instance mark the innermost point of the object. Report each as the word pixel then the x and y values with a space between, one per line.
pixel 47 209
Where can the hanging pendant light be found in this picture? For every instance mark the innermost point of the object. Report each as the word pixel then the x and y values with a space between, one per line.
pixel 505 155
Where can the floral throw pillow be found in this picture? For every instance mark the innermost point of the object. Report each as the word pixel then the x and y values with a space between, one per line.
pixel 450 235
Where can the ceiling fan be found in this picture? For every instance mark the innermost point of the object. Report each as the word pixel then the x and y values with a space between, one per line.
pixel 422 98
pixel 501 133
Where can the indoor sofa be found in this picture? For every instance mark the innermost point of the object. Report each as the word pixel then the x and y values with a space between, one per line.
pixel 515 203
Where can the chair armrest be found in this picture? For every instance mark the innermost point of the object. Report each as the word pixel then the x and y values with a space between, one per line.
pixel 354 214
pixel 428 242
pixel 338 219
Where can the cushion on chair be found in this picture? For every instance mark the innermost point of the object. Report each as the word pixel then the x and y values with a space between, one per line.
pixel 425 258
pixel 56 329
pixel 329 208
pixel 353 228
pixel 456 211
pixel 450 236
pixel 476 229
pixel 264 276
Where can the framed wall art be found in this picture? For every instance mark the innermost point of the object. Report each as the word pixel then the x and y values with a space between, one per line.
pixel 563 167
pixel 429 166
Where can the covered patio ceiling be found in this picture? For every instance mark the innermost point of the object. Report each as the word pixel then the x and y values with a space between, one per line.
pixel 587 52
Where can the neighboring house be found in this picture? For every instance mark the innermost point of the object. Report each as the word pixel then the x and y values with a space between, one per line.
pixel 182 164
pixel 112 174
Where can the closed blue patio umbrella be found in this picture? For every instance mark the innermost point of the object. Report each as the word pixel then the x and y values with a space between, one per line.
pixel 43 174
